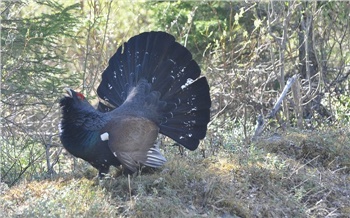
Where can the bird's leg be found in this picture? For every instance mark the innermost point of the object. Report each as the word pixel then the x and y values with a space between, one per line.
pixel 126 171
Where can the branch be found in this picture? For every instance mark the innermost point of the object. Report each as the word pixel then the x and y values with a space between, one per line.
pixel 261 121
pixel 277 106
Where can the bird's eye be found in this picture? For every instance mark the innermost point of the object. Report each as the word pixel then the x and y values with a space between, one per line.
pixel 80 96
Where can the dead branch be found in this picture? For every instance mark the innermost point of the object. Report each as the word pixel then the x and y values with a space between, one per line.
pixel 277 105
pixel 261 121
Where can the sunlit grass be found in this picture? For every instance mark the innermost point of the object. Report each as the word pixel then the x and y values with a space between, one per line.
pixel 275 177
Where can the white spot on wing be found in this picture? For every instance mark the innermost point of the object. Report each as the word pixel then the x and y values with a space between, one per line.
pixel 104 136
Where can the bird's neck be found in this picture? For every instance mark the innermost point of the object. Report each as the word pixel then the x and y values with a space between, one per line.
pixel 81 131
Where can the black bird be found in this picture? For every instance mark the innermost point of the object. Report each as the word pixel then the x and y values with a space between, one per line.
pixel 152 85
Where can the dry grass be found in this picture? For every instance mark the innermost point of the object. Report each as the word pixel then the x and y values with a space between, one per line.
pixel 291 174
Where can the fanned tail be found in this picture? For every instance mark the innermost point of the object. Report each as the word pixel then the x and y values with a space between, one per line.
pixel 169 68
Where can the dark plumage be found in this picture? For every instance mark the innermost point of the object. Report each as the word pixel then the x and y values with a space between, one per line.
pixel 151 85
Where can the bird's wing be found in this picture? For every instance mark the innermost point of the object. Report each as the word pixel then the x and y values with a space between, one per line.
pixel 131 139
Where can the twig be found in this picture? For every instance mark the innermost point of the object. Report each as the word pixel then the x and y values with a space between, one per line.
pixel 129 188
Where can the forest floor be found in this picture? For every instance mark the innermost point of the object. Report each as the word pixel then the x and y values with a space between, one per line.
pixel 287 174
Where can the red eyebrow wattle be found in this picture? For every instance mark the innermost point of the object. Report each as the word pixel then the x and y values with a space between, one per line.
pixel 81 96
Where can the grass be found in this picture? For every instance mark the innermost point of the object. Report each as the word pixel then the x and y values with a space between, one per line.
pixel 287 174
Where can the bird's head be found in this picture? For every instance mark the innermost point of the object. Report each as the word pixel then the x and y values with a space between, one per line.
pixel 73 100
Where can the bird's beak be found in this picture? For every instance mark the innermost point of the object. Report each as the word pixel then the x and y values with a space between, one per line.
pixel 68 93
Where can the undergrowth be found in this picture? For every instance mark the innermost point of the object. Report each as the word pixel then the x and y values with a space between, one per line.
pixel 286 174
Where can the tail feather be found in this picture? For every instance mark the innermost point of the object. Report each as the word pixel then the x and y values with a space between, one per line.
pixel 170 69
pixel 186 122
pixel 193 97
pixel 185 139
pixel 180 77
pixel 153 56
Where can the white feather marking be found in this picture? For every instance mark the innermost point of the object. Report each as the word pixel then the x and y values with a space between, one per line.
pixel 188 82
pixel 60 130
pixel 104 136
pixel 154 158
